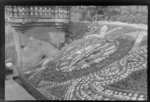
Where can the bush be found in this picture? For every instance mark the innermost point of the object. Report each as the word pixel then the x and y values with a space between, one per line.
pixel 75 30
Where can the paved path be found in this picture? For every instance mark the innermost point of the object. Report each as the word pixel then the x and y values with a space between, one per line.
pixel 13 91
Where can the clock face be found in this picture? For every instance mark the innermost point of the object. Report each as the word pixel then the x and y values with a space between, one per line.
pixel 92 67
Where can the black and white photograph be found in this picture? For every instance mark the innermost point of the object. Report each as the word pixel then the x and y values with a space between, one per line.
pixel 84 52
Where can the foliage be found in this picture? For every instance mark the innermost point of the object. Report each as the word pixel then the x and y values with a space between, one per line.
pixel 131 14
pixel 75 30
